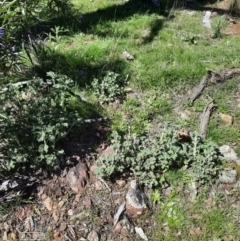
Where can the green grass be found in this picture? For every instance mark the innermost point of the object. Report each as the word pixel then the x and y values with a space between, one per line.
pixel 214 221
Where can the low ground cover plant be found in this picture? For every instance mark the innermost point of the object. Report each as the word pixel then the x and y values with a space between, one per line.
pixel 34 118
pixel 110 87
pixel 148 157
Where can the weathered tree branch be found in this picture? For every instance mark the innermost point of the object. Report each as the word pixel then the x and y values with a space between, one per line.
pixel 205 116
pixel 214 78
pixel 199 89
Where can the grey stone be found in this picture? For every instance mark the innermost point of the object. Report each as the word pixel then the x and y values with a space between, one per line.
pixel 93 236
pixel 135 203
pixel 228 176
pixel 229 154
pixel 206 20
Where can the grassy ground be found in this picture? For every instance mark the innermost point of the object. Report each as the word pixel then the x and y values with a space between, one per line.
pixel 172 50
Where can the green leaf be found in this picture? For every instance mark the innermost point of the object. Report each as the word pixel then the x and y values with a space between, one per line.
pixel 45 148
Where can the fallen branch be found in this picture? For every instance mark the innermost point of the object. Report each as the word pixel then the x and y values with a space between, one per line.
pixel 199 89
pixel 205 116
pixel 214 78
pixel 223 75
pixel 106 185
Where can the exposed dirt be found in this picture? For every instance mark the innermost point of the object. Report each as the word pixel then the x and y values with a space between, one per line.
pixel 223 7
pixel 233 28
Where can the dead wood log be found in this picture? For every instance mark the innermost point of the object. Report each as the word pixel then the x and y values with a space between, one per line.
pixel 199 89
pixel 214 78
pixel 223 75
pixel 205 116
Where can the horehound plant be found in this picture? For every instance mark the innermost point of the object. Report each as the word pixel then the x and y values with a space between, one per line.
pixel 148 157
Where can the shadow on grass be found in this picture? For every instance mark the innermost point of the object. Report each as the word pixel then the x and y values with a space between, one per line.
pixel 82 71
pixel 76 22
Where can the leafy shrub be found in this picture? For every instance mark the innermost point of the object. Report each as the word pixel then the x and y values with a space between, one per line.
pixel 110 87
pixel 33 121
pixel 149 156
pixel 22 20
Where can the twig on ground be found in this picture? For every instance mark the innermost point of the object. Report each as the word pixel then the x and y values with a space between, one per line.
pixel 108 188
pixel 120 210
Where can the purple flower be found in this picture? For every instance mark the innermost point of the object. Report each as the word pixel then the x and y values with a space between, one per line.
pixel 14 48
pixel 81 72
pixel 1 32
pixel 80 16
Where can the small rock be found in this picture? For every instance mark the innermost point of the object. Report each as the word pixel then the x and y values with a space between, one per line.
pixel 229 154
pixel 185 115
pixel 140 232
pixel 118 228
pixel 70 212
pixel 87 202
pixel 127 55
pixel 13 237
pixel 77 198
pixel 55 206
pixel 108 151
pixel 56 236
pixel 93 236
pixel 232 21
pixel 63 227
pixel 135 204
pixel 78 177
pixel 226 187
pixel 214 14
pixel 195 231
pixel 228 176
pixel 121 183
pixel 110 219
pixel 93 168
pixel 5 237
pixel 48 203
pixel 227 119
pixel 60 204
pixel 237 184
pixel 122 228
pixel 117 201
pixel 44 196
pixel 55 216
pixel 98 185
